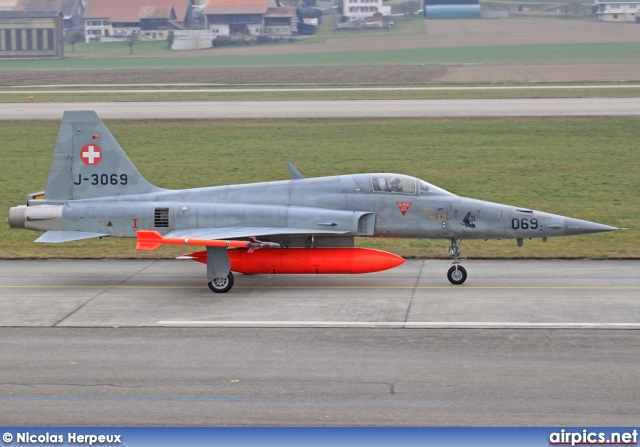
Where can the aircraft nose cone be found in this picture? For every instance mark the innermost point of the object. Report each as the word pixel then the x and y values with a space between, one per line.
pixel 574 227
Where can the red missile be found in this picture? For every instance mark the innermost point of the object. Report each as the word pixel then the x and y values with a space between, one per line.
pixel 150 240
pixel 307 260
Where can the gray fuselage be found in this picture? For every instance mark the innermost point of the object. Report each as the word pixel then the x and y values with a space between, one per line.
pixel 345 205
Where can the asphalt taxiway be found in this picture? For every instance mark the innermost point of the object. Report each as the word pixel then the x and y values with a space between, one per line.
pixel 142 342
pixel 331 109
pixel 172 293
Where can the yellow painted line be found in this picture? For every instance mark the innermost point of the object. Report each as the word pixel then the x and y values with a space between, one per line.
pixel 451 287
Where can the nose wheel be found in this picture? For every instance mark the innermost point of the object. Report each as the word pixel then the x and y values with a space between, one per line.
pixel 456 274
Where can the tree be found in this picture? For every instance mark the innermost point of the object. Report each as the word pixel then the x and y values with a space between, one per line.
pixel 170 39
pixel 131 40
pixel 73 39
pixel 311 13
pixel 409 7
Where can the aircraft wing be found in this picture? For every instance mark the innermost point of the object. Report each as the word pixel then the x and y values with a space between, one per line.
pixel 244 232
pixel 55 237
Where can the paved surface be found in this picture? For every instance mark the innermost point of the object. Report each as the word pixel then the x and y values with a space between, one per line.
pixel 201 88
pixel 504 294
pixel 332 109
pixel 98 374
pixel 327 377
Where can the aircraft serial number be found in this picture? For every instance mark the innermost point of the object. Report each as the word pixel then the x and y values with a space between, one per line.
pixel 524 224
pixel 103 179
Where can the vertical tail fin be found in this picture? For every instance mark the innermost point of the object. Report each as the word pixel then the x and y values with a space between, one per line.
pixel 88 162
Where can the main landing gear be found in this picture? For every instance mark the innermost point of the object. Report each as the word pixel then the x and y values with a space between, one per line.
pixel 456 274
pixel 221 285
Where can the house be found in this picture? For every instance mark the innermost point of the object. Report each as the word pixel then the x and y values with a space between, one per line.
pixel 282 21
pixel 72 10
pixel 31 34
pixel 109 20
pixel 612 11
pixel 236 17
pixel 156 21
pixel 363 10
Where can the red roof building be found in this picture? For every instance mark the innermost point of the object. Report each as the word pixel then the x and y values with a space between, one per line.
pixel 72 10
pixel 128 11
pixel 241 7
pixel 281 21
pixel 237 17
pixel 109 19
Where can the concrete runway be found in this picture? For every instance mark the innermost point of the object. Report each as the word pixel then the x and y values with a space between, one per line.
pixel 498 294
pixel 77 348
pixel 332 109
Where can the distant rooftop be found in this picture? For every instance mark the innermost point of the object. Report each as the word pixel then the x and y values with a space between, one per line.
pixel 128 11
pixel 236 7
pixel 29 14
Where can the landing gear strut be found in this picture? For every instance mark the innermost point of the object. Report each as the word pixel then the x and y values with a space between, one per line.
pixel 456 274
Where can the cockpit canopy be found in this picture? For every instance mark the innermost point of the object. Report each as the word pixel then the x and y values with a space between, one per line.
pixel 403 184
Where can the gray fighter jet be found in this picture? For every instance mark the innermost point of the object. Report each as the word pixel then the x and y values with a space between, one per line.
pixel 291 226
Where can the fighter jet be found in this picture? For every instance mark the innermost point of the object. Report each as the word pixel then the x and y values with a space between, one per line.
pixel 302 225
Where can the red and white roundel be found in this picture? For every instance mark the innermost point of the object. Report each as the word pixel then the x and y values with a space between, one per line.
pixel 91 154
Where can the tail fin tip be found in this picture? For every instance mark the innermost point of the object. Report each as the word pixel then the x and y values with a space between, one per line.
pixel 88 162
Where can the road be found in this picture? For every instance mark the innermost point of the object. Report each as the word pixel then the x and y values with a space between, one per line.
pixel 138 342
pixel 332 109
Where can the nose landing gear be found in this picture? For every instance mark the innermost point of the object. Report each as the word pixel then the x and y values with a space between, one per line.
pixel 456 274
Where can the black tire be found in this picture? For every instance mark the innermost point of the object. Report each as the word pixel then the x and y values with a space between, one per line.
pixel 457 276
pixel 221 285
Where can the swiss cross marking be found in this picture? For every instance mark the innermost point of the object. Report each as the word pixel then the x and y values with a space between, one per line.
pixel 404 207
pixel 91 154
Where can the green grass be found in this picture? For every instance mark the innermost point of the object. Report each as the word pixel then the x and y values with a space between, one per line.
pixel 581 167
pixel 96 50
pixel 512 54
pixel 403 26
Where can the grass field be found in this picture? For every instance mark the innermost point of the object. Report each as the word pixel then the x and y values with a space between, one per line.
pixel 581 167
pixel 541 53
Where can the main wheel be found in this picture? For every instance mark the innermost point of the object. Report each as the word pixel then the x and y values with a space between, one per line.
pixel 221 285
pixel 457 275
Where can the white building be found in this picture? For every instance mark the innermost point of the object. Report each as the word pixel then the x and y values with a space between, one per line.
pixel 612 11
pixel 363 10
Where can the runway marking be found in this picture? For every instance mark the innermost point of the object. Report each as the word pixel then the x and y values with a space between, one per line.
pixel 401 324
pixel 449 287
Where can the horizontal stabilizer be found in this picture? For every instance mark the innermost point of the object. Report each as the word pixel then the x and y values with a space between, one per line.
pixel 55 237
